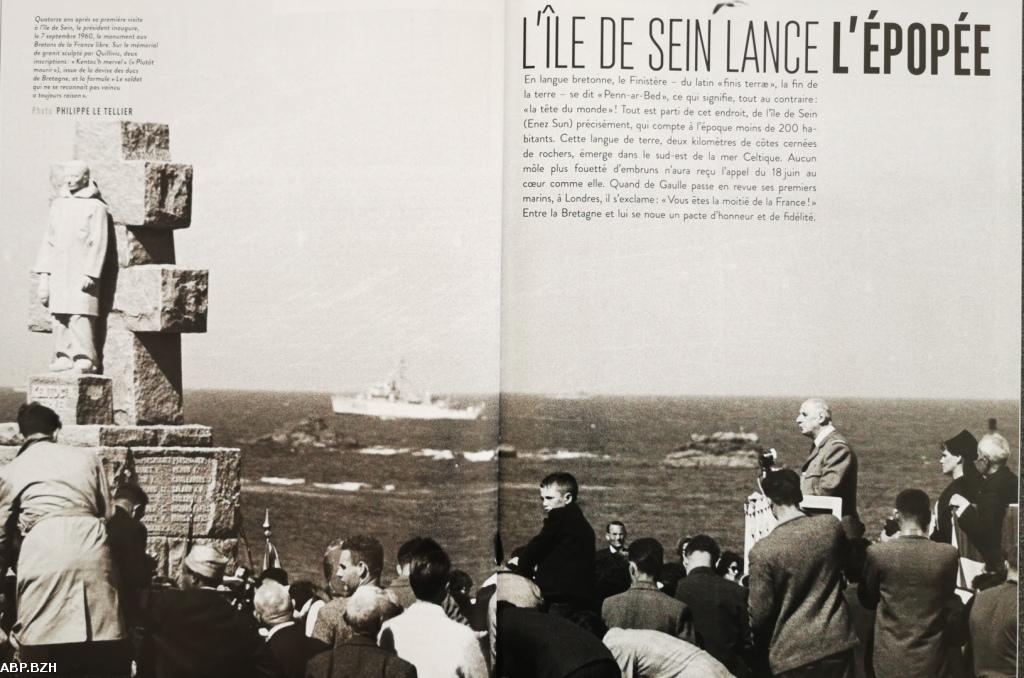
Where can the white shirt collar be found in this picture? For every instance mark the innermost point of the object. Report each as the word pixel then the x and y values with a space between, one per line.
pixel 823 433
pixel 278 627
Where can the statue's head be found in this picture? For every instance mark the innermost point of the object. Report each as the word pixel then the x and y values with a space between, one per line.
pixel 76 176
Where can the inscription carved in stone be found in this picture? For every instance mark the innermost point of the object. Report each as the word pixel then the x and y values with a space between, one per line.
pixel 50 394
pixel 180 489
pixel 76 398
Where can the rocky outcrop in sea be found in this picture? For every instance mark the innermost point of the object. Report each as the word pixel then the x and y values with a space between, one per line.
pixel 729 449
pixel 305 435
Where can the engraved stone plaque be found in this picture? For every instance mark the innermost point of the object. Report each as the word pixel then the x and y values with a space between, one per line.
pixel 189 486
pixel 178 490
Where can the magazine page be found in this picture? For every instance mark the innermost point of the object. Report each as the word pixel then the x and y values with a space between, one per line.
pixel 298 341
pixel 718 215
pixel 437 252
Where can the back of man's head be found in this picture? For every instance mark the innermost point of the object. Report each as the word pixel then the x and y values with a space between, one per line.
pixel 648 555
pixel 405 551
pixel 729 565
pixel 367 609
pixel 273 603
pixel 565 482
pixel 36 418
pixel 302 591
pixel 782 487
pixel 670 576
pixel 701 546
pixel 428 574
pixel 913 505
pixel 367 550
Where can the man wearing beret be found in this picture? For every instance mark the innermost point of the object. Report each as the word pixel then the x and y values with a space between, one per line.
pixel 958 455
pixel 194 632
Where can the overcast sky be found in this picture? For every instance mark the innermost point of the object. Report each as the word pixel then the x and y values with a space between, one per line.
pixel 348 204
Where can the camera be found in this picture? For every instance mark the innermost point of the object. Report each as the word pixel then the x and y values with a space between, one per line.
pixel 240 589
pixel 892 526
pixel 766 460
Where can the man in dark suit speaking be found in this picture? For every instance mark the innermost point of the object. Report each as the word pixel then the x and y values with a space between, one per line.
pixel 831 466
pixel 563 552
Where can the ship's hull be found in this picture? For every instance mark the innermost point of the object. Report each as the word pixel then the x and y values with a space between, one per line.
pixel 388 409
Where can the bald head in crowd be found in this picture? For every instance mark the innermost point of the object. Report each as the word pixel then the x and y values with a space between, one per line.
pixel 368 608
pixel 273 604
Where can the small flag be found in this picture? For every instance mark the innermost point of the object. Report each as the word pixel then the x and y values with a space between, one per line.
pixel 270 555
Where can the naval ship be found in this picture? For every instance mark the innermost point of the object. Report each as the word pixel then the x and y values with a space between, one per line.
pixel 389 400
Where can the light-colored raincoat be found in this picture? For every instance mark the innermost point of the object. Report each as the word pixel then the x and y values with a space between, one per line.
pixel 66 579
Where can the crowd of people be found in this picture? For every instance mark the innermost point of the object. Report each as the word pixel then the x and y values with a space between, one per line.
pixel 817 597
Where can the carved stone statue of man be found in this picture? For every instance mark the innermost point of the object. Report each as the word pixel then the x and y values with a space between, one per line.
pixel 69 265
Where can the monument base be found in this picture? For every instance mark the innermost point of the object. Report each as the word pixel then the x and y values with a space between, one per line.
pixel 193 488
pixel 112 435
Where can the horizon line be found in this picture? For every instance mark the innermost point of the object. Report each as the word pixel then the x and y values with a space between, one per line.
pixel 584 395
